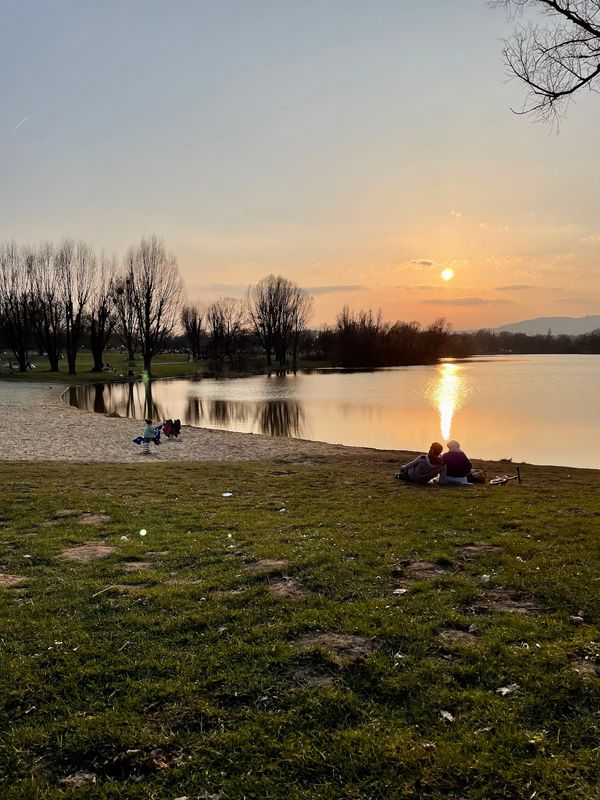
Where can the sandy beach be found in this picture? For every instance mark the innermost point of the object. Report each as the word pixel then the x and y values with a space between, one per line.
pixel 39 426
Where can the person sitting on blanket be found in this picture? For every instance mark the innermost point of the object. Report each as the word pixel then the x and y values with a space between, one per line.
pixel 457 465
pixel 167 428
pixel 424 467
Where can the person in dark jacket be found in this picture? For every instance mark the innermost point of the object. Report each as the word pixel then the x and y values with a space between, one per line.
pixel 457 465
pixel 424 467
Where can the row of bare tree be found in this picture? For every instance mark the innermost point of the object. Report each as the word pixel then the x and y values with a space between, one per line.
pixel 275 313
pixel 53 295
pixel 56 297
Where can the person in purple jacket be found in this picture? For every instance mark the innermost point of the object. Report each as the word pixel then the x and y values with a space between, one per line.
pixel 457 464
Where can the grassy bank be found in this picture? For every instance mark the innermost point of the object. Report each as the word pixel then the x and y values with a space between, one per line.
pixel 242 650
pixel 166 365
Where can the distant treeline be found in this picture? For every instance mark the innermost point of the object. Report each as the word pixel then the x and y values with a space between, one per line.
pixel 489 342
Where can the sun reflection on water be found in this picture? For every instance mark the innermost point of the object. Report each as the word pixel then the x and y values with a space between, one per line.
pixel 448 394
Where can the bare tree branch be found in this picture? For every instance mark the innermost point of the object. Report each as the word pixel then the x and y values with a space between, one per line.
pixel 557 60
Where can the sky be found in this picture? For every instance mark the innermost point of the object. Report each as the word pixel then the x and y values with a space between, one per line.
pixel 356 148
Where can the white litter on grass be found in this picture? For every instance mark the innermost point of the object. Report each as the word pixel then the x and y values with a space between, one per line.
pixel 400 591
pixel 227 494
pixel 143 532
pixel 485 579
pixel 447 716
pixel 124 538
pixel 510 689
pixel 282 510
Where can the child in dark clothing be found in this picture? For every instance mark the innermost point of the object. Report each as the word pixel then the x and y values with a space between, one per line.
pixel 457 464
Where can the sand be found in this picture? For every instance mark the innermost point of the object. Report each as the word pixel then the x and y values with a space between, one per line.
pixel 40 426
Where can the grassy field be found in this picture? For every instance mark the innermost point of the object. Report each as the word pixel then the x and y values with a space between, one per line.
pixel 322 633
pixel 166 365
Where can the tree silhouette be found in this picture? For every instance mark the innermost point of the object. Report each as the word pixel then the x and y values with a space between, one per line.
pixel 557 60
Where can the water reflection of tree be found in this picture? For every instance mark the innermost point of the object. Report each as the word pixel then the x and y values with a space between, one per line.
pixel 99 404
pixel 152 410
pixel 280 418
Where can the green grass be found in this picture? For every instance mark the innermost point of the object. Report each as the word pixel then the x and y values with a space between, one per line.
pixel 166 365
pixel 195 684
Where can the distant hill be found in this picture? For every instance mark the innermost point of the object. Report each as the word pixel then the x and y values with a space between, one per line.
pixel 572 326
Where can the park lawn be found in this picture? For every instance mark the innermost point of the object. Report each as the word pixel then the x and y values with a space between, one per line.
pixel 164 365
pixel 175 668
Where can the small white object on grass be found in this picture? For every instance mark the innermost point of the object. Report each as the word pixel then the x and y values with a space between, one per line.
pixel 143 532
pixel 400 591
pixel 227 494
pixel 510 689
pixel 447 716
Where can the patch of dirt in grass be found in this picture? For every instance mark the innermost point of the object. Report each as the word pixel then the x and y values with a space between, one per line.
pixel 66 512
pixel 415 571
pixel 587 669
pixel 137 566
pixel 78 779
pixel 84 553
pixel 134 763
pixel 180 582
pixel 159 553
pixel 266 565
pixel 310 676
pixel 453 636
pixel 8 581
pixel 511 601
pixel 341 645
pixel 93 519
pixel 287 587
pixel 470 551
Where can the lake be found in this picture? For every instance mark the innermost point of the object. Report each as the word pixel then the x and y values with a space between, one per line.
pixel 537 408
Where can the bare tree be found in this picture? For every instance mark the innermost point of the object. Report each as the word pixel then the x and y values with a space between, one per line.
pixel 557 60
pixel 126 324
pixel 156 294
pixel 191 320
pixel 278 310
pixel 48 310
pixel 302 308
pixel 225 322
pixel 74 266
pixel 102 315
pixel 16 266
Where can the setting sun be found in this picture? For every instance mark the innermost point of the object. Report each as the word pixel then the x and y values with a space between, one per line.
pixel 447 274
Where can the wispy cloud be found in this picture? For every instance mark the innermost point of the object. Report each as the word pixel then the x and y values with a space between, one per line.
pixel 516 287
pixel 351 287
pixel 574 300
pixel 422 262
pixel 465 301
pixel 420 287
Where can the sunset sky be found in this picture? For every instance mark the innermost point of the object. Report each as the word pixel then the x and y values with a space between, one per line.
pixel 358 148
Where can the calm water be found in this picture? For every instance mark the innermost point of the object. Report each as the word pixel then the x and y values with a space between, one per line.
pixel 541 409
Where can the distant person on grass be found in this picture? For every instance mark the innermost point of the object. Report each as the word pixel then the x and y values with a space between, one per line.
pixel 424 467
pixel 457 465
